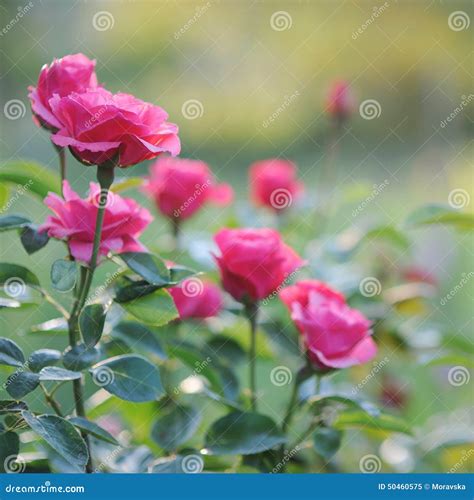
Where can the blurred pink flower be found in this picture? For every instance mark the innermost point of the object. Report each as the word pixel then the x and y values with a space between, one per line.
pixel 197 299
pixel 340 101
pixel 72 73
pixel 334 335
pixel 254 263
pixel 99 126
pixel 74 220
pixel 273 183
pixel 180 187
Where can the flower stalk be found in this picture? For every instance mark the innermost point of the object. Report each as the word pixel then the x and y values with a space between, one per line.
pixel 251 311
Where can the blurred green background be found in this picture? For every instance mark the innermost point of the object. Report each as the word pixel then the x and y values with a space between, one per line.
pixel 227 56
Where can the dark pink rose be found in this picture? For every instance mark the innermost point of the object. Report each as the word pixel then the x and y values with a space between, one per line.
pixel 197 299
pixel 74 220
pixel 273 183
pixel 98 126
pixel 340 102
pixel 74 73
pixel 180 187
pixel 334 335
pixel 254 263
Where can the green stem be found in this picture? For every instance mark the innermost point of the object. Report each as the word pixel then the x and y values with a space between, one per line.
pixel 176 231
pixel 51 401
pixel 251 311
pixel 62 165
pixel 291 406
pixel 105 176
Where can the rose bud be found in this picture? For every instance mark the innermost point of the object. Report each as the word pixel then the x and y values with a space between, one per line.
pixel 340 102
pixel 333 334
pixel 273 183
pixel 254 263
pixel 180 187
pixel 74 221
pixel 73 73
pixel 100 127
pixel 197 299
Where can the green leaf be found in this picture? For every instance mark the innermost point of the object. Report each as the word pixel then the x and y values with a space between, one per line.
pixel 14 277
pixel 451 359
pixel 91 323
pixel 56 373
pixel 9 449
pixel 138 336
pixel 319 402
pixel 43 357
pixel 192 463
pixel 175 427
pixel 180 273
pixel 9 406
pixel 9 222
pixel 156 308
pixel 127 183
pixel 63 275
pixel 93 429
pixel 326 441
pixel 61 436
pixel 440 214
pixel 20 383
pixel 10 353
pixel 150 267
pixel 362 420
pixel 227 348
pixel 129 377
pixel 243 434
pixel 32 177
pixel 32 240
pixel 80 356
pixel 133 290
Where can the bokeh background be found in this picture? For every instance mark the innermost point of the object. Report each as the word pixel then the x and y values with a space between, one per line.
pixel 221 70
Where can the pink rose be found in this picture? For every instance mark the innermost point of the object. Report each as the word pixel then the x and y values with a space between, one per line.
pixel 75 219
pixel 254 263
pixel 273 183
pixel 340 102
pixel 180 187
pixel 74 73
pixel 197 299
pixel 98 126
pixel 334 335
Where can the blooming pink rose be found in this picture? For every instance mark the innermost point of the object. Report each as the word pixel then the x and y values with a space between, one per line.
pixel 180 187
pixel 75 219
pixel 254 263
pixel 98 126
pixel 197 299
pixel 74 73
pixel 334 335
pixel 273 183
pixel 340 102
